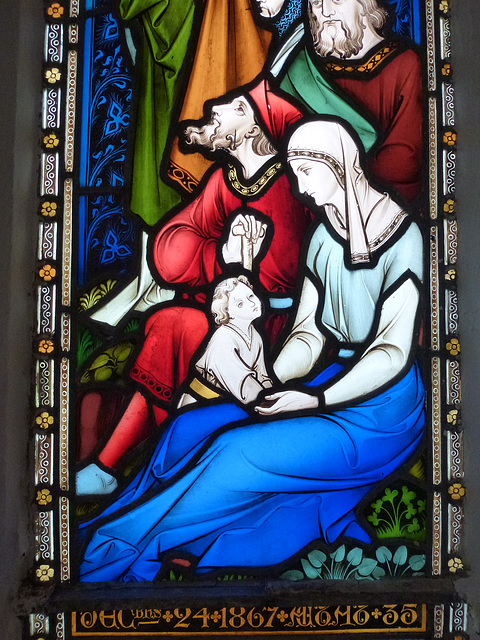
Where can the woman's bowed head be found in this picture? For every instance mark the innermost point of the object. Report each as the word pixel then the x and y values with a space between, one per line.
pixel 324 159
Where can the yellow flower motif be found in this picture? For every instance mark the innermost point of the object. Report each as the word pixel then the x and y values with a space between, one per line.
pixel 450 138
pixel 451 274
pixel 51 141
pixel 446 70
pixel 49 209
pixel 53 75
pixel 45 346
pixel 44 420
pixel 444 6
pixel 449 206
pixel 453 347
pixel 43 497
pixel 47 272
pixel 455 564
pixel 452 417
pixel 456 491
pixel 45 573
pixel 55 10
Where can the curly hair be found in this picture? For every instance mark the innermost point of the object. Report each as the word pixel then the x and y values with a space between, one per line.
pixel 221 296
pixel 376 15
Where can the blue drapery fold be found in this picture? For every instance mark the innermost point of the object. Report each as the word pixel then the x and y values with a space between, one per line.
pixel 259 492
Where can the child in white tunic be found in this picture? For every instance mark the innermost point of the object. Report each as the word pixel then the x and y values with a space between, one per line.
pixel 233 360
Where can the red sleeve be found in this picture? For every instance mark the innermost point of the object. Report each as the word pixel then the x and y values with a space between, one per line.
pixel 185 248
pixel 398 161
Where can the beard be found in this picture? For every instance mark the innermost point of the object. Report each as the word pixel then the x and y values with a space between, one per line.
pixel 210 136
pixel 336 37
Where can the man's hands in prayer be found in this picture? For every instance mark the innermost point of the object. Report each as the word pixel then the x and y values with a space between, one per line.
pixel 286 401
pixel 244 240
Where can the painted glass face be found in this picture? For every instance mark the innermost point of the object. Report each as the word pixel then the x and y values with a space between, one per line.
pixel 243 304
pixel 337 26
pixel 270 8
pixel 227 128
pixel 316 180
pixel 345 11
pixel 233 120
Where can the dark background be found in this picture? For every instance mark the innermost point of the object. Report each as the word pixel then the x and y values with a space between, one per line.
pixel 21 44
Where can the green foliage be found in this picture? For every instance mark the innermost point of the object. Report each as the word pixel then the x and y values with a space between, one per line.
pixel 177 578
pixel 419 469
pixel 110 364
pixel 90 298
pixel 132 326
pixel 87 343
pixel 355 565
pixel 399 515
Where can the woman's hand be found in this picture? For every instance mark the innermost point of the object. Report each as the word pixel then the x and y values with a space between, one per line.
pixel 286 401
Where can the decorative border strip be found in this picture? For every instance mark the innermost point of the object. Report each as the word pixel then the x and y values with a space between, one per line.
pixel 437 534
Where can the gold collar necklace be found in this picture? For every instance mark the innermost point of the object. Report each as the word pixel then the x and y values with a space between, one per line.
pixel 257 186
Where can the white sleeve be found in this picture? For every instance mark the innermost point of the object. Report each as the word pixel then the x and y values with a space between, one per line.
pixel 223 366
pixel 286 50
pixel 387 354
pixel 305 342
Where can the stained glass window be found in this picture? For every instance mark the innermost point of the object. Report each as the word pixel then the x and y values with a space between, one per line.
pixel 247 389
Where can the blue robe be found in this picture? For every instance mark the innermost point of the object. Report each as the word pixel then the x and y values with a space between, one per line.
pixel 254 493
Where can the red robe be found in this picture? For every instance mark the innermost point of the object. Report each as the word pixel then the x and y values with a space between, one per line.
pixel 388 85
pixel 186 251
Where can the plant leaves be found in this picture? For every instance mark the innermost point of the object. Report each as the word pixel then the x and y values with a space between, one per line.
pixel 121 352
pixel 367 566
pixel 355 556
pixel 417 562
pixel 378 572
pixel 383 554
pixel 293 575
pixel 339 554
pixel 100 361
pixel 407 496
pixel 104 373
pixel 316 558
pixel 310 571
pixel 401 555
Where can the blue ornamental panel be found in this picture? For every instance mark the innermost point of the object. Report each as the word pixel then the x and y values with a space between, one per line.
pixel 106 237
pixel 107 96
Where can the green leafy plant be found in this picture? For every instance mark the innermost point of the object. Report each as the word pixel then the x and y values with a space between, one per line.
pixel 132 326
pixel 110 364
pixel 356 565
pixel 399 514
pixel 87 343
pixel 419 469
pixel 90 298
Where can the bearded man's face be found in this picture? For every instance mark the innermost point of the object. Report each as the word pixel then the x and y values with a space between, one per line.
pixel 229 124
pixel 337 27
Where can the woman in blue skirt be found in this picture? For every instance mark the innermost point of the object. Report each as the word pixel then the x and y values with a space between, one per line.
pixel 240 492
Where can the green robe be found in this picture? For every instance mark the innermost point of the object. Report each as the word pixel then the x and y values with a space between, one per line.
pixel 304 82
pixel 166 28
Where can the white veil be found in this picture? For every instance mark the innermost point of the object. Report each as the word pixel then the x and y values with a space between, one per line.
pixel 370 218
